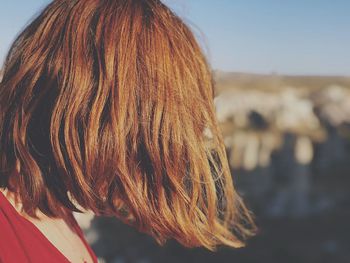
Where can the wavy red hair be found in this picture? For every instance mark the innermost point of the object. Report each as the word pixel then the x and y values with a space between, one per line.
pixel 106 104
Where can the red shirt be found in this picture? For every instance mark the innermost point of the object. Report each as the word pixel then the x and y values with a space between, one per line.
pixel 21 241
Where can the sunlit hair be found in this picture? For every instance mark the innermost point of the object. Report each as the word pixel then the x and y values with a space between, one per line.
pixel 107 105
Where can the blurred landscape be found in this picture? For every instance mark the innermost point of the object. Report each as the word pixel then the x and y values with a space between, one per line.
pixel 288 145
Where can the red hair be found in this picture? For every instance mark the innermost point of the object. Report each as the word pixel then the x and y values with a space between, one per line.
pixel 106 104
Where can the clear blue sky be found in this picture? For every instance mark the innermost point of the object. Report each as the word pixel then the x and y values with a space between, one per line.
pixel 287 37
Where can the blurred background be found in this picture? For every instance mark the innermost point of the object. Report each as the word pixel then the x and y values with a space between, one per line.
pixel 282 72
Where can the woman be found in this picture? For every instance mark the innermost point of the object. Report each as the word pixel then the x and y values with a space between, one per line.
pixel 107 105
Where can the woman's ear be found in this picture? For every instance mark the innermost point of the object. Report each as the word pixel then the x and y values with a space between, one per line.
pixel 18 166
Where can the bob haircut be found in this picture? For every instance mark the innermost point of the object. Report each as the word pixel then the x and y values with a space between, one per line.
pixel 107 105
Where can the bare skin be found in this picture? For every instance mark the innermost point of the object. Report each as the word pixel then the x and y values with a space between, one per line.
pixel 59 232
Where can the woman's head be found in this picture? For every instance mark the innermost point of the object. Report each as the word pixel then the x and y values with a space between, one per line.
pixel 105 104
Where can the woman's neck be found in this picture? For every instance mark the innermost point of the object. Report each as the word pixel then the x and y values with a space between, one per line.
pixel 15 201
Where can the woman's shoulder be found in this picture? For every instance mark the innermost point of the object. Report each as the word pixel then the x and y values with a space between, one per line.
pixel 9 222
pixel 7 205
pixel 12 234
pixel 20 241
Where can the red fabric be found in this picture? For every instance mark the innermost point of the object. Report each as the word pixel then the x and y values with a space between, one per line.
pixel 21 241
